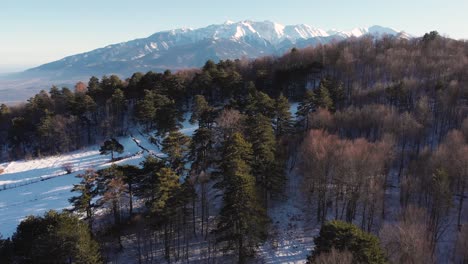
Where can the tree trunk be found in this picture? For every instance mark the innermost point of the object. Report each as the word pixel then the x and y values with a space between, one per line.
pixel 402 159
pixel 241 250
pixel 167 251
pixel 460 204
pixel 194 215
pixel 130 193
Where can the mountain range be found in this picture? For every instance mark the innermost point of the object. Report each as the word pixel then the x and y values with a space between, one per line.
pixel 185 47
pixel 178 49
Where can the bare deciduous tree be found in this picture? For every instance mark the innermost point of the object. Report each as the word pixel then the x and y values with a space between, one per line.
pixel 334 257
pixel 408 240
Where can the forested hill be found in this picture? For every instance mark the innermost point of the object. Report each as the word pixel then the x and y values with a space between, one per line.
pixel 380 141
pixel 390 71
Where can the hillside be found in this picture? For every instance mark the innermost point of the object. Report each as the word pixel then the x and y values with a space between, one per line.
pixel 352 151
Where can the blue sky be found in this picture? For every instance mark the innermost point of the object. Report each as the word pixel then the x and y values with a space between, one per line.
pixel 33 32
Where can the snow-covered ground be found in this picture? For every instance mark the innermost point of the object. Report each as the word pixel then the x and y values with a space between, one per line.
pixel 292 231
pixel 32 187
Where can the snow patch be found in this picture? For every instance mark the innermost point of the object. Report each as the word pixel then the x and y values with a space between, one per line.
pixel 36 186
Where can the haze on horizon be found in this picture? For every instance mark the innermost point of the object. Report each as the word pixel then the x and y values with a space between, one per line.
pixel 37 32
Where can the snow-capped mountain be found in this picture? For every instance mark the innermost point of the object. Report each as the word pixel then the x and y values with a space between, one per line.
pixel 185 47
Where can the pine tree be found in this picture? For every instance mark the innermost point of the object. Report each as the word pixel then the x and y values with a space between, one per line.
pixel 4 110
pixel 323 98
pixel 110 85
pixel 158 111
pixel 167 116
pixel 130 175
pixel 283 119
pixel 145 110
pixel 265 169
pixel 242 221
pixel 335 90
pixel 48 133
pixel 110 146
pixel 176 146
pixel 164 206
pixel 87 189
pixel 167 186
pixel 112 190
pixel 54 238
pixel 306 106
pixel 118 109
pixel 201 156
pixel 200 109
pixel 339 235
pixel 200 149
pixel 260 103
pixel 94 88
pixel 148 181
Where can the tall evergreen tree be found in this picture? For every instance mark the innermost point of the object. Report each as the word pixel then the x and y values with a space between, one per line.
pixel 339 235
pixel 94 88
pixel 202 157
pixel 242 221
pixel 323 98
pixel 306 106
pixel 335 91
pixel 54 238
pixel 283 119
pixel 158 111
pixel 118 109
pixel 202 112
pixel 260 102
pixel 147 182
pixel 110 146
pixel 131 177
pixel 87 189
pixel 112 191
pixel 176 146
pixel 268 175
pixel 164 206
pixel 166 189
pixel 145 110
pixel 168 116
pixel 200 105
pixel 201 148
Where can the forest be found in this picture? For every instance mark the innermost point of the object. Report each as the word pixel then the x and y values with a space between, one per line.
pixel 379 145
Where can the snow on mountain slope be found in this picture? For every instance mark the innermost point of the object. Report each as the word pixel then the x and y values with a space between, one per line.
pixel 161 50
pixel 375 30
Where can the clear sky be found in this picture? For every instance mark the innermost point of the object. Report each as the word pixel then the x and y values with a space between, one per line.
pixel 33 32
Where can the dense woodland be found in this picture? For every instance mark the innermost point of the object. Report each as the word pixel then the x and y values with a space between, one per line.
pixel 375 117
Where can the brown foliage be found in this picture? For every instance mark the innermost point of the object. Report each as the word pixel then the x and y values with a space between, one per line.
pixel 229 121
pixel 408 241
pixel 348 173
pixel 334 257
pixel 81 87
pixel 322 119
pixel 452 157
pixel 464 128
